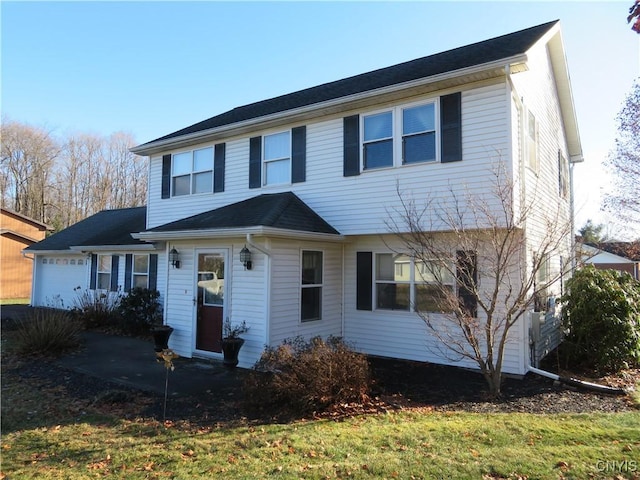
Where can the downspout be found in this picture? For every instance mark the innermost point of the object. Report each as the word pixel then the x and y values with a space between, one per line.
pixel 574 382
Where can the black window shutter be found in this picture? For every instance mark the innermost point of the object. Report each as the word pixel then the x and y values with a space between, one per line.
pixel 451 127
pixel 364 281
pixel 351 145
pixel 115 263
pixel 299 154
pixel 255 162
pixel 467 280
pixel 94 271
pixel 166 176
pixel 218 167
pixel 128 268
pixel 153 271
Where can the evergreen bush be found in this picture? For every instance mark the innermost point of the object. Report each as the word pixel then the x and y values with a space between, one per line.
pixel 601 317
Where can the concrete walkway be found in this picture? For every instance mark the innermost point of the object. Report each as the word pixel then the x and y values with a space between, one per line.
pixel 132 362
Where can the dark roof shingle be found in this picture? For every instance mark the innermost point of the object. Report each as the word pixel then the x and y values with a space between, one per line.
pixel 277 210
pixel 487 51
pixel 106 228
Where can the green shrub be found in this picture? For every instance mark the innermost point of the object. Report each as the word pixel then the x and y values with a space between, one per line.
pixel 140 310
pixel 601 314
pixel 303 377
pixel 96 308
pixel 47 331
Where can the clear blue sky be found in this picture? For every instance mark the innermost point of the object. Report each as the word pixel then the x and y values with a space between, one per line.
pixel 150 68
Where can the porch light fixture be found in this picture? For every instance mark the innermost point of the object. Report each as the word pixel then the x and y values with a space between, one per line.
pixel 245 257
pixel 174 258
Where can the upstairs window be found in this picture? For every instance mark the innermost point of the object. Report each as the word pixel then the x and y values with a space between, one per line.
pixel 192 172
pixel 377 144
pixel 563 176
pixel 532 142
pixel 277 158
pixel 419 134
pixel 404 135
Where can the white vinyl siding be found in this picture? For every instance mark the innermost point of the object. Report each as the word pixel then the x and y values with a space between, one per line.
pixel 403 334
pixel 346 202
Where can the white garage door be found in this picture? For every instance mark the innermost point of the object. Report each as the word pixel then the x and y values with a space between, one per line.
pixel 55 280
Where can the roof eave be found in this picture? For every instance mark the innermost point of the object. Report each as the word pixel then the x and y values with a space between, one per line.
pixel 337 104
pixel 220 233
pixel 112 248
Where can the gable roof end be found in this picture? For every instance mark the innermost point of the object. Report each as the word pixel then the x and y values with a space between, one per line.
pixel 488 52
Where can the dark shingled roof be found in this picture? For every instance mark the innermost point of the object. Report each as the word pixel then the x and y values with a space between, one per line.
pixel 276 210
pixel 479 53
pixel 108 227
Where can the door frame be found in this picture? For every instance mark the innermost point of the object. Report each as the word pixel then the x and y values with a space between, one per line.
pixel 225 308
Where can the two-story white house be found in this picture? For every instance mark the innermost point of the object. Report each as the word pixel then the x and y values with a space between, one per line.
pixel 305 183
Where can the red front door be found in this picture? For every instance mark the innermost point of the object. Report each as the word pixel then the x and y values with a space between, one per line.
pixel 210 304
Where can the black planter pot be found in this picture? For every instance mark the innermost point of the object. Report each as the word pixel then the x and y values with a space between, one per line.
pixel 230 349
pixel 161 336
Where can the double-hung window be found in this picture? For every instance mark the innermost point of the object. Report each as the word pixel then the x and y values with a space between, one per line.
pixel 140 271
pixel 403 135
pixel 419 134
pixel 192 172
pixel 311 286
pixel 378 140
pixel 103 279
pixel 402 283
pixel 277 158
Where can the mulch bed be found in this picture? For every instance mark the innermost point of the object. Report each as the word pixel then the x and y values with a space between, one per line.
pixel 398 385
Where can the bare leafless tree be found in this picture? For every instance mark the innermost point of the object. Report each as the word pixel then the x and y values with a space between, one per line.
pixel 481 241
pixel 26 164
pixel 623 203
pixel 61 181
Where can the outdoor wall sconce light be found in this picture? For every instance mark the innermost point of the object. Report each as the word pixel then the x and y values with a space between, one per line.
pixel 174 258
pixel 245 257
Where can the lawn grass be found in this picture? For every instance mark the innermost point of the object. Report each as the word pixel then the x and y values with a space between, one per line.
pixel 74 442
pixel 15 301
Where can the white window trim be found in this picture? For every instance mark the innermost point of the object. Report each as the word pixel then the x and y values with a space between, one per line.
pixel 412 282
pixel 264 161
pixel 135 274
pixel 192 172
pixel 104 272
pixel 314 285
pixel 396 119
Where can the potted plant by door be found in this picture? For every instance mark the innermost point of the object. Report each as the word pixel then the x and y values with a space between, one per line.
pixel 231 342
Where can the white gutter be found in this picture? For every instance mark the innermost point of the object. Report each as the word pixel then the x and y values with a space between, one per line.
pixel 249 240
pixel 237 232
pixel 149 148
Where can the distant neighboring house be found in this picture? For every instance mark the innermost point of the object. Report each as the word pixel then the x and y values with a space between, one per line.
pixel 306 183
pixel 621 256
pixel 17 232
